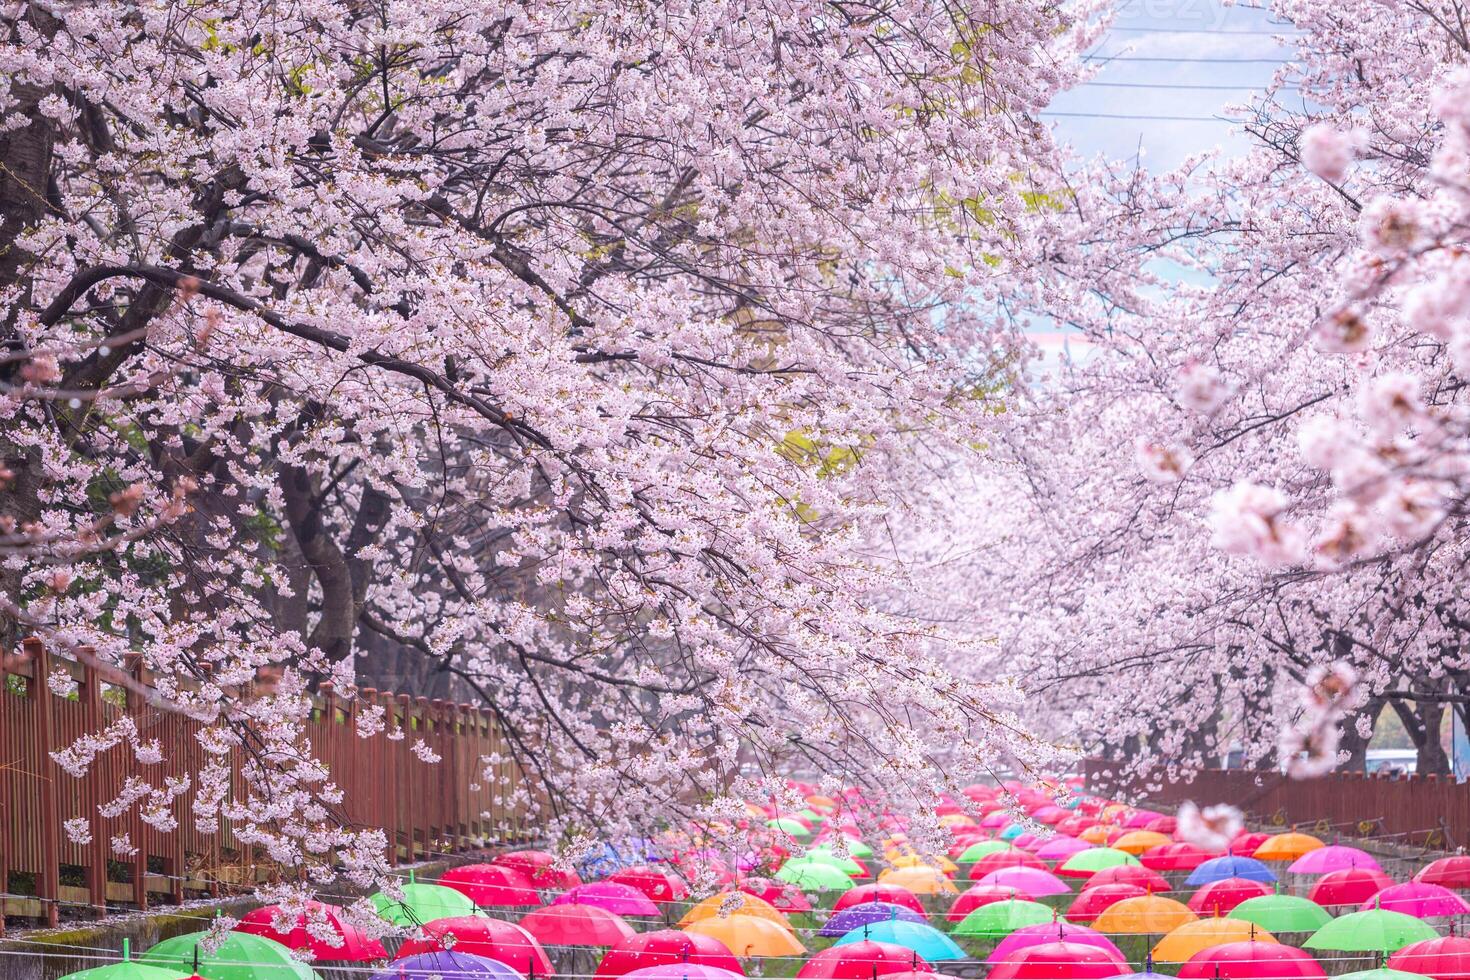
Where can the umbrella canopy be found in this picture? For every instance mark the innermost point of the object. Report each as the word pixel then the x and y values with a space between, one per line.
pixel 814 876
pixel 733 902
pixel 1182 856
pixel 1049 932
pixel 1135 842
pixel 681 971
pixel 1146 915
pixel 1373 931
pixel 979 849
pixel 920 881
pixel 351 944
pixel 975 896
pixel 1000 919
pixel 1353 886
pixel 1333 857
pixel 791 826
pixel 1286 847
pixel 1229 866
pixel 780 895
pixel 848 866
pixel 1061 847
pixel 852 845
pixel 1011 857
pixel 493 939
pixel 616 897
pixel 1380 973
pixel 1183 943
pixel 423 903
pixel 1247 841
pixel 1084 864
pixel 748 935
pixel 1131 874
pixel 1282 913
pixel 129 970
pixel 922 938
pixel 492 884
pixel 1444 958
pixel 1252 960
pixel 576 925
pixel 540 867
pixel 1451 872
pixel 1219 897
pixel 1035 883
pixel 1096 899
pixel 241 956
pixel 657 884
pixel 862 961
pixel 1060 961
pixel 917 861
pixel 881 892
pixel 448 964
pixel 664 947
pixel 866 914
pixel 1419 899
pixel 1164 825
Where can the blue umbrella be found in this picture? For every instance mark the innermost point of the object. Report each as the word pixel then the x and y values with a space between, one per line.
pixel 1012 832
pixel 1229 866
pixel 925 940
pixel 449 965
pixel 865 914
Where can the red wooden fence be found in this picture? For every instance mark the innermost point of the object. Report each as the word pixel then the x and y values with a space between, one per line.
pixel 425 809
pixel 1419 811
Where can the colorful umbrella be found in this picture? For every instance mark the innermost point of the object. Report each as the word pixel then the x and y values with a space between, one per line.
pixel 862 961
pixel 423 903
pixel 681 971
pixel 1000 919
pixel 540 867
pixel 1419 899
pixel 1182 856
pixel 780 895
pixel 814 876
pixel 1333 857
pixel 1096 899
pixel 1146 915
pixel 1372 931
pixel 492 884
pixel 664 947
pixel 1183 943
pixel 1246 842
pixel 1379 973
pixel 866 914
pixel 1060 961
pixel 922 938
pixel 748 935
pixel 1049 932
pixel 656 884
pixel 728 903
pixel 1444 958
pixel 975 896
pixel 240 956
pixel 1135 842
pixel 616 897
pixel 938 861
pixel 1282 913
pixel 1060 848
pixel 128 970
pixel 493 939
pixel 1353 886
pixel 920 881
pixel 863 894
pixel 1131 874
pixel 1084 864
pixel 1251 960
pixel 1451 872
pixel 979 849
pixel 576 925
pixel 1035 883
pixel 1219 897
pixel 1286 847
pixel 848 866
pixel 351 944
pixel 449 965
pixel 1229 866
pixel 1012 857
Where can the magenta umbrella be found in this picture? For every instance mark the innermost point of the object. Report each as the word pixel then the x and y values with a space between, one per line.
pixel 1333 857
pixel 1419 899
pixel 681 971
pixel 1050 815
pixel 1028 842
pixel 996 820
pixel 1050 932
pixel 616 897
pixel 1032 881
pixel 1060 848
pixel 1141 818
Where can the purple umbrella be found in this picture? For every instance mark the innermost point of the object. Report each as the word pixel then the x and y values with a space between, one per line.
pixel 1419 899
pixel 1333 857
pixel 1049 932
pixel 449 965
pixel 1060 848
pixel 681 971
pixel 1032 881
pixel 616 897
pixel 857 916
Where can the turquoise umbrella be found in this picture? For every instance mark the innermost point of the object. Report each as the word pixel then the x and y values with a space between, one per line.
pixel 1012 831
pixel 239 956
pixel 923 939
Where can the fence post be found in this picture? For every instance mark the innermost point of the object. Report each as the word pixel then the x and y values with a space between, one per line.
pixel 91 794
pixel 50 816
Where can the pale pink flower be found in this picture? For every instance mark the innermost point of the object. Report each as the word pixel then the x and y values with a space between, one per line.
pixel 1202 388
pixel 1161 463
pixel 1246 520
pixel 1211 828
pixel 1347 534
pixel 1412 508
pixel 1391 403
pixel 1344 332
pixel 1326 151
pixel 1320 439
pixel 1393 226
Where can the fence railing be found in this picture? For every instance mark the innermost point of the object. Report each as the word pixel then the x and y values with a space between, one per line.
pixel 1417 811
pixel 425 809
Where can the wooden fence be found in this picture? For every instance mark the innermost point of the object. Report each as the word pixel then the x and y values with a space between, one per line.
pixel 425 809
pixel 1418 811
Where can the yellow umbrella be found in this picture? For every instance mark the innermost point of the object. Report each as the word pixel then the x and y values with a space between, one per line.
pixel 1286 847
pixel 920 881
pixel 1096 834
pixel 940 863
pixel 1144 915
pixel 1135 842
pixel 1187 940
pixel 748 935
pixel 749 905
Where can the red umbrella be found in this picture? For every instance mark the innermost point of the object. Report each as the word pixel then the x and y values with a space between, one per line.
pixel 492 884
pixel 1219 897
pixel 1446 958
pixel 1246 842
pixel 1014 858
pixel 1252 960
pixel 666 946
pixel 878 893
pixel 1060 961
pixel 354 947
pixel 1131 874
pixel 975 896
pixel 1182 856
pixel 1096 899
pixel 779 894
pixel 659 885
pixel 540 867
pixel 576 925
pixel 863 960
pixel 1075 824
pixel 1350 886
pixel 492 938
pixel 1451 872
pixel 1163 825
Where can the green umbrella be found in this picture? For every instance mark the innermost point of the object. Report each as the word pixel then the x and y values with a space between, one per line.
pixel 1095 859
pixel 789 826
pixel 853 846
pixel 999 919
pixel 1282 913
pixel 844 864
pixel 814 876
pixel 1382 973
pixel 129 969
pixel 812 817
pixel 240 956
pixel 1371 931
pixel 979 849
pixel 423 903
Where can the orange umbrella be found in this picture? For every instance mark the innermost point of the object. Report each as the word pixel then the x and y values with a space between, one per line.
pixel 920 881
pixel 1144 915
pixel 957 820
pixel 748 935
pixel 939 862
pixel 1135 842
pixel 1286 847
pixel 1181 944
pixel 1097 834
pixel 747 905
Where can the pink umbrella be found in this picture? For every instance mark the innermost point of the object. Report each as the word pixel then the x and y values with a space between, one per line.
pixel 1032 881
pixel 616 897
pixel 1060 848
pixel 1141 818
pixel 1419 899
pixel 1333 857
pixel 1028 842
pixel 1051 815
pixel 1049 932
pixel 996 820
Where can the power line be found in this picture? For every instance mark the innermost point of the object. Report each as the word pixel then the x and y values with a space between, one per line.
pixel 1192 88
pixel 1121 115
pixel 1198 30
pixel 1186 61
